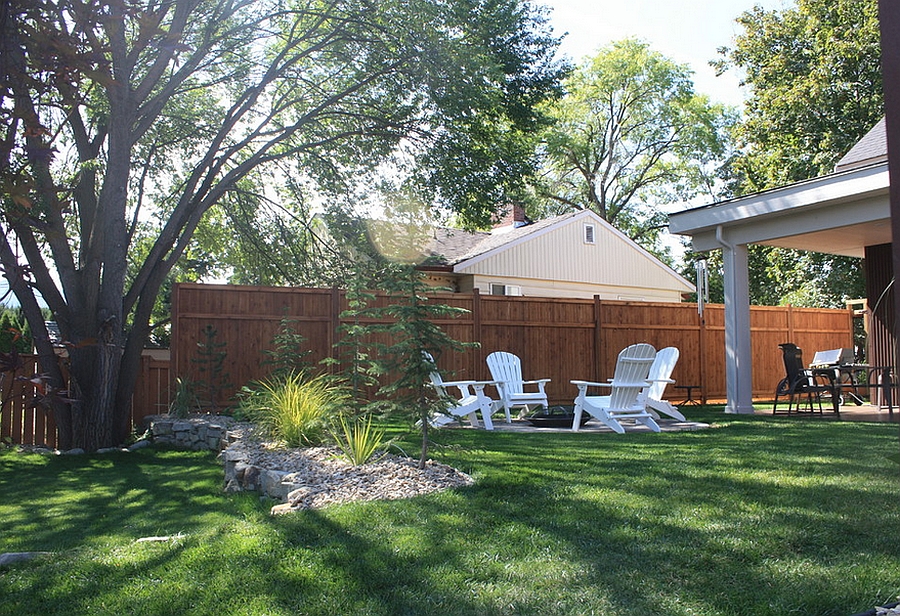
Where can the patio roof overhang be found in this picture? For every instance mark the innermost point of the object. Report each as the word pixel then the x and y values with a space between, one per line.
pixel 841 214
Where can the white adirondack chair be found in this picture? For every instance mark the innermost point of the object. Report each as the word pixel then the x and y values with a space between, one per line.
pixel 629 379
pixel 661 375
pixel 466 403
pixel 506 370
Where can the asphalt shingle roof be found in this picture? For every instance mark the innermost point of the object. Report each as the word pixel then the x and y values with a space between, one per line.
pixel 456 245
pixel 872 148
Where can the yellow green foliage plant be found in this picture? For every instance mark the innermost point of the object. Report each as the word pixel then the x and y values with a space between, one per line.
pixel 295 409
pixel 359 440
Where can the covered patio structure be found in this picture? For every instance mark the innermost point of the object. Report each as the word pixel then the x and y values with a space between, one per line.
pixel 844 213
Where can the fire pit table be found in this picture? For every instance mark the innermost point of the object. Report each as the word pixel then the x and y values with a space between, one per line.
pixel 555 417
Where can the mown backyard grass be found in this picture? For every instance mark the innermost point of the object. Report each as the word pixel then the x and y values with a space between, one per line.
pixel 754 516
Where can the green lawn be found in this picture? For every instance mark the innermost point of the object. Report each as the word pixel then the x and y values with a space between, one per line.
pixel 755 516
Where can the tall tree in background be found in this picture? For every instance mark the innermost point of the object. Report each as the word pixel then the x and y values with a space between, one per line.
pixel 630 134
pixel 814 89
pixel 814 79
pixel 127 119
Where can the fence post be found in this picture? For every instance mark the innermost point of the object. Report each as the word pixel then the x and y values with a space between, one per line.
pixel 598 339
pixel 478 355
pixel 334 329
pixel 790 318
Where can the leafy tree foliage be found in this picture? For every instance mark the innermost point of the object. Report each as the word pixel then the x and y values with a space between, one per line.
pixel 629 135
pixel 814 89
pixel 814 78
pixel 15 334
pixel 126 124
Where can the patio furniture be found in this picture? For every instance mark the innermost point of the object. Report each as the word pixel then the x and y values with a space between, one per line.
pixel 660 376
pixel 623 403
pixel 506 370
pixel 689 396
pixel 466 403
pixel 801 383
pixel 841 367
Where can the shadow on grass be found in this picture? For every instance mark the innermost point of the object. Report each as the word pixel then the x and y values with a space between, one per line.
pixel 62 502
pixel 756 517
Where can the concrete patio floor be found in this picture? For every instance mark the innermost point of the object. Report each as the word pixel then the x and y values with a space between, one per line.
pixel 594 426
pixel 849 412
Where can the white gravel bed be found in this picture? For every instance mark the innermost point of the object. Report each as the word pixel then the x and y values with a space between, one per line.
pixel 322 477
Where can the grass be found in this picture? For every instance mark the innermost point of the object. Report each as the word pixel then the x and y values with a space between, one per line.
pixel 756 516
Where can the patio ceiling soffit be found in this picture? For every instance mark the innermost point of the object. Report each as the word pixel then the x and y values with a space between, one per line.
pixel 839 213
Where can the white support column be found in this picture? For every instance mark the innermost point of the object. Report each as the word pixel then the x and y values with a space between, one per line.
pixel 738 372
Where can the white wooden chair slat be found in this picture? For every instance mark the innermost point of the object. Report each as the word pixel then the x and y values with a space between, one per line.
pixel 506 370
pixel 629 379
pixel 660 376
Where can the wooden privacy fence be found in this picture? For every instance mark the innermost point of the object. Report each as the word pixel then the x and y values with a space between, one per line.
pixel 24 424
pixel 560 339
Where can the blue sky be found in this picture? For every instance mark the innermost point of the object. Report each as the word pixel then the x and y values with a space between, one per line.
pixel 687 31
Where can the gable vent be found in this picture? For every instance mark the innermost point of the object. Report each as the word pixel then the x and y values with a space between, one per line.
pixel 588 234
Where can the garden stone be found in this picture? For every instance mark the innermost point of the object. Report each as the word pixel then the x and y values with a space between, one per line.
pixel 273 485
pixel 139 445
pixel 11 558
pixel 250 479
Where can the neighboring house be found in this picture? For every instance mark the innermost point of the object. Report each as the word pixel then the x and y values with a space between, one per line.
pixel 577 255
pixel 844 213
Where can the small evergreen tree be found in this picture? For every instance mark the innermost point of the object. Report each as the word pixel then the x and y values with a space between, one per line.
pixel 412 333
pixel 355 366
pixel 210 360
pixel 7 330
pixel 286 356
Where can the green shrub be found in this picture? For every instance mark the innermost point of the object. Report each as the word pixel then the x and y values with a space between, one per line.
pixel 359 441
pixel 184 401
pixel 295 409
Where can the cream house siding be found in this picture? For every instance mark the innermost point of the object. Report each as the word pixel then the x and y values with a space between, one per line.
pixel 563 290
pixel 556 262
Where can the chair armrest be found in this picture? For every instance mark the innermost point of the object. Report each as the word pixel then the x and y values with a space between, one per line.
pixel 583 385
pixel 661 380
pixel 462 386
pixel 479 386
pixel 458 383
pixel 539 382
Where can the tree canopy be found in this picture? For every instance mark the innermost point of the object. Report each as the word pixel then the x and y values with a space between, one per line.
pixel 124 124
pixel 813 79
pixel 813 76
pixel 630 134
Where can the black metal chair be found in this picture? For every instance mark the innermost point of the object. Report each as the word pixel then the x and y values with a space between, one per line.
pixel 802 384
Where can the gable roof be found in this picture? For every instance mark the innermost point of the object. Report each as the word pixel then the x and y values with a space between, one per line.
pixel 457 246
pixel 872 148
pixel 465 252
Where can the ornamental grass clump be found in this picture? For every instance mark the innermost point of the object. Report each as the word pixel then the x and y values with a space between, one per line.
pixel 359 441
pixel 295 409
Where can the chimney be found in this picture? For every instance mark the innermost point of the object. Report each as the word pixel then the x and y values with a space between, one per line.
pixel 513 217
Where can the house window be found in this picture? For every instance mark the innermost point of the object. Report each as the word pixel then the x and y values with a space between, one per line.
pixel 505 289
pixel 588 234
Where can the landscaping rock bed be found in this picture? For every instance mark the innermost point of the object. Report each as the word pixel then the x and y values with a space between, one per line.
pixel 314 477
pixel 197 432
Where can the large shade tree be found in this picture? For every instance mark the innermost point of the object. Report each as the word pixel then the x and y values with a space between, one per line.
pixel 119 117
pixel 630 134
pixel 813 79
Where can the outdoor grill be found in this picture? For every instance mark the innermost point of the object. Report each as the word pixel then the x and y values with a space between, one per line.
pixel 841 367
